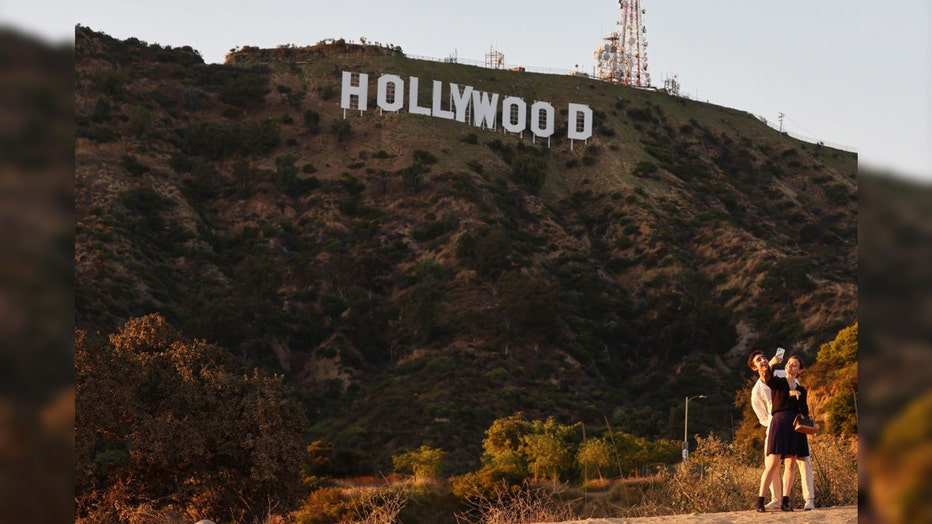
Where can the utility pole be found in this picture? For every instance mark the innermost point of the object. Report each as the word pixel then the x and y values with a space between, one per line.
pixel 685 425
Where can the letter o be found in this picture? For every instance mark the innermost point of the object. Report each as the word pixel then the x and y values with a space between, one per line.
pixel 537 109
pixel 382 97
pixel 507 104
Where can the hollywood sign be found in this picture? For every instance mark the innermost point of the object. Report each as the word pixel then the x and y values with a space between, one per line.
pixel 462 103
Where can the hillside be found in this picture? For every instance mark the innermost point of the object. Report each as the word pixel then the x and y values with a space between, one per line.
pixel 417 278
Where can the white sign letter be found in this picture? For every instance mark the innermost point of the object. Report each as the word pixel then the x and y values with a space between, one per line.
pixel 517 108
pixel 460 101
pixel 397 92
pixel 579 128
pixel 361 91
pixel 413 108
pixel 437 99
pixel 483 107
pixel 542 113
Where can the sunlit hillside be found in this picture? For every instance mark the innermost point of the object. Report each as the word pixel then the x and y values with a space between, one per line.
pixel 416 278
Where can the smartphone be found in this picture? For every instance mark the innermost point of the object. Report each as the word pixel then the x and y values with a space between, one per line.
pixel 780 352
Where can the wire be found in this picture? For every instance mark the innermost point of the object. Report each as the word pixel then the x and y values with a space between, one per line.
pixel 813 135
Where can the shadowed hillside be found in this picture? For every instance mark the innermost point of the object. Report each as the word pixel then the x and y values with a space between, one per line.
pixel 417 278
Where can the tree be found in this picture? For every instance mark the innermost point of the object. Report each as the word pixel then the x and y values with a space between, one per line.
pixel 424 463
pixel 836 368
pixel 547 456
pixel 181 425
pixel 841 351
pixel 594 454
pixel 503 441
pixel 549 449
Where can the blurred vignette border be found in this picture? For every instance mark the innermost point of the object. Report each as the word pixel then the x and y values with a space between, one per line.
pixel 36 274
pixel 895 348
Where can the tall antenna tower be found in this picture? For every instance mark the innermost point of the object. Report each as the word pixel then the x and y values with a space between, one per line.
pixel 622 59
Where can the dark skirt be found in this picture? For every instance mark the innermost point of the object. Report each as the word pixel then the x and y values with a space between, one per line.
pixel 782 438
pixel 802 444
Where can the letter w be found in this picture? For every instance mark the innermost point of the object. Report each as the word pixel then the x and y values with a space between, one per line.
pixel 484 108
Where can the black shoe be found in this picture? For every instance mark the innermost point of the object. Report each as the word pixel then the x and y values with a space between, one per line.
pixel 785 505
pixel 760 505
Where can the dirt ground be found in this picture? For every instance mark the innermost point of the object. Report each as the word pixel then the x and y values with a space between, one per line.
pixel 834 515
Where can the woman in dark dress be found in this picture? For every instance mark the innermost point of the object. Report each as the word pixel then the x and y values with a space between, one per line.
pixel 782 442
pixel 794 366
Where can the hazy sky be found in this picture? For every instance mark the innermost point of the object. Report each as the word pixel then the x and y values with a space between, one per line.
pixel 856 73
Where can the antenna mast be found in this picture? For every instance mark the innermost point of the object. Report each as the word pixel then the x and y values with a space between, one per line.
pixel 622 59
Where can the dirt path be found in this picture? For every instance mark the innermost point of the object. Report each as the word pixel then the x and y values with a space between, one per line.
pixel 835 515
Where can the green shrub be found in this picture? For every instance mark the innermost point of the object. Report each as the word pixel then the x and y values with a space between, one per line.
pixel 644 168
pixel 140 120
pixel 486 250
pixel 413 175
pixel 436 228
pixel 209 140
pixel 110 82
pixel 529 170
pixel 425 462
pixel 102 109
pixel 327 92
pixel 312 121
pixel 133 165
pixel 259 138
pixel 424 157
pixel 102 134
pixel 475 166
pixel 640 114
pixel 245 88
pixel 341 129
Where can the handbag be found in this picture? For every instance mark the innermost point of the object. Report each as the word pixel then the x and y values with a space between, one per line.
pixel 804 424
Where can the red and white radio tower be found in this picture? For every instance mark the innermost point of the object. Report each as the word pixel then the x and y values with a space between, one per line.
pixel 622 59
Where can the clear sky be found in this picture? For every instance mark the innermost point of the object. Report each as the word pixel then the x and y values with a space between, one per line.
pixel 857 73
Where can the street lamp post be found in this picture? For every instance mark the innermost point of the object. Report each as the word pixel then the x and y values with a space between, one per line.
pixel 685 425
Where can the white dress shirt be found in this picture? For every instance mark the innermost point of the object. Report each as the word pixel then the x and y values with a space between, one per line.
pixel 761 401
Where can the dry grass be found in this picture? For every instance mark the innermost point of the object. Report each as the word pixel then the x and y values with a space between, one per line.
pixel 717 479
pixel 835 468
pixel 522 506
pixel 380 506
